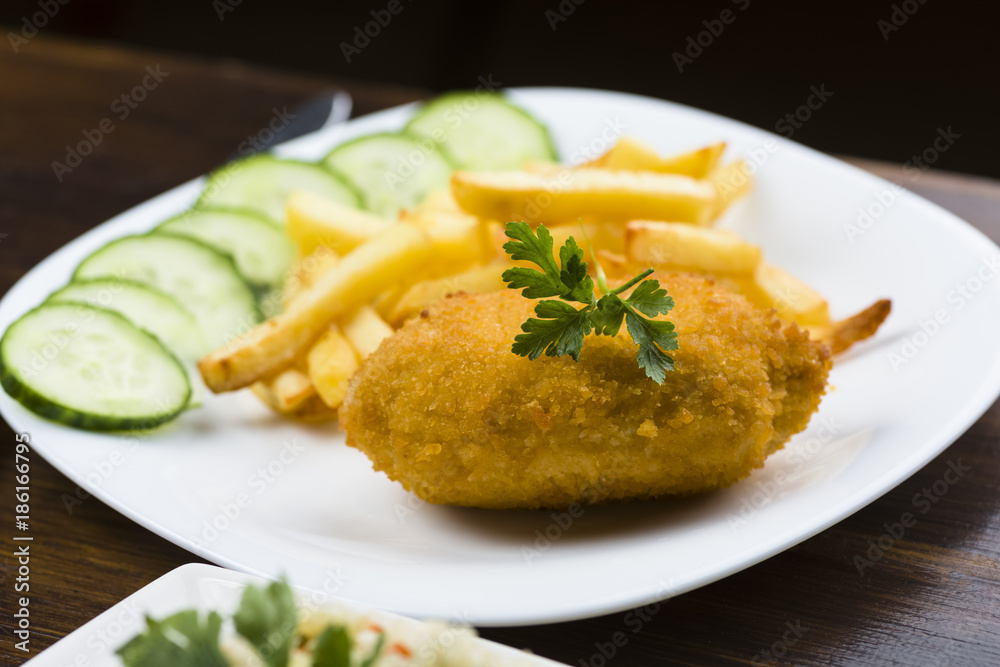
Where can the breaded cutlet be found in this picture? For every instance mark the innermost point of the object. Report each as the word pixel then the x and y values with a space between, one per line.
pixel 445 408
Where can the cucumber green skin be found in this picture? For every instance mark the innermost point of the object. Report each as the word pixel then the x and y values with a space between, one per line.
pixel 268 157
pixel 258 314
pixel 46 407
pixel 56 299
pixel 258 289
pixel 267 296
pixel 248 212
pixel 449 98
pixel 76 278
pixel 441 149
pixel 203 201
pixel 403 133
pixel 124 281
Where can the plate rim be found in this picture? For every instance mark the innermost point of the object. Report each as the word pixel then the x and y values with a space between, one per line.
pixel 979 401
pixel 194 572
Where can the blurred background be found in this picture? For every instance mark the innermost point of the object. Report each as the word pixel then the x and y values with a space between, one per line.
pixel 893 74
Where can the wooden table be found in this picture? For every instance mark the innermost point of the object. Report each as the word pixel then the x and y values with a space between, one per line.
pixel 931 600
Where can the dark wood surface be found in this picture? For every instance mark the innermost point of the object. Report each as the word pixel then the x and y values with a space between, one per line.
pixel 932 599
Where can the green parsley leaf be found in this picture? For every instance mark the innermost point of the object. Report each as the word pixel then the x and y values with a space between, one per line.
pixel 333 648
pixel 531 246
pixel 537 249
pixel 181 640
pixel 579 285
pixel 560 332
pixel 267 618
pixel 651 335
pixel 607 317
pixel 560 328
pixel 537 285
pixel 651 299
pixel 570 283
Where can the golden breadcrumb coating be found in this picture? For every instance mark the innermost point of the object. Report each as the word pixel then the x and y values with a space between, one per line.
pixel 446 409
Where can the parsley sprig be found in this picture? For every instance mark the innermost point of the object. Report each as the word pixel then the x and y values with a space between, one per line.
pixel 267 618
pixel 182 640
pixel 560 327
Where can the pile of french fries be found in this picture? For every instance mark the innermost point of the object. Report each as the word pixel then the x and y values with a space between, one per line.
pixel 359 277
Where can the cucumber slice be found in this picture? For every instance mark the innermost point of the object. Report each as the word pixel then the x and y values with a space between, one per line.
pixel 143 305
pixel 483 131
pixel 91 368
pixel 391 171
pixel 259 248
pixel 262 183
pixel 203 280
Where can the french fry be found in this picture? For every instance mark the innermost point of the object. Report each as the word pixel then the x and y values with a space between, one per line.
pixel 770 287
pixel 284 394
pixel 360 275
pixel 599 162
pixel 291 388
pixel 263 391
pixel 744 284
pixel 480 279
pixel 560 234
pixel 730 182
pixel 607 235
pixel 314 220
pixel 697 163
pixel 459 240
pixel 679 246
pixel 542 166
pixel 331 362
pixel 793 299
pixel 305 271
pixel 842 334
pixel 387 300
pixel 615 265
pixel 366 331
pixel 568 194
pixel 313 411
pixel 356 279
pixel 438 200
pixel 632 154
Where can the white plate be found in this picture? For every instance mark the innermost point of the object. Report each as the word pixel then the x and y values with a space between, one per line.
pixel 207 588
pixel 325 517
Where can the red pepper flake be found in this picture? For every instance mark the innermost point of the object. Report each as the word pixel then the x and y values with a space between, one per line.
pixel 375 627
pixel 401 649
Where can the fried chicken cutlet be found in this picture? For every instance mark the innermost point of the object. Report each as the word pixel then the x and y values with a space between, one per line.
pixel 446 409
